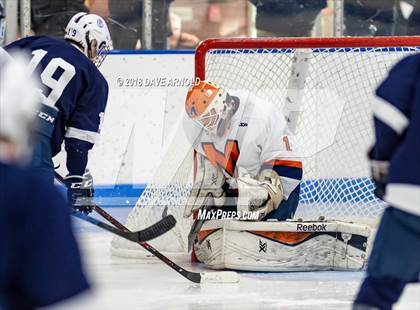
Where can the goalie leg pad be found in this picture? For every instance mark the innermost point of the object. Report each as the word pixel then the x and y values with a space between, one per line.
pixel 283 246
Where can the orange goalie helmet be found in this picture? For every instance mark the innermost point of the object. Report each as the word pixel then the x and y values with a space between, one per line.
pixel 206 104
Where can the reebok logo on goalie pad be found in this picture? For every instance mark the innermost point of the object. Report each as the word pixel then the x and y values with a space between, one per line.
pixel 311 227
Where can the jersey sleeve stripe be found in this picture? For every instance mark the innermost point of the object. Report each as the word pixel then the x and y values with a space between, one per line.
pixel 404 196
pixel 84 135
pixel 286 163
pixel 288 172
pixel 390 115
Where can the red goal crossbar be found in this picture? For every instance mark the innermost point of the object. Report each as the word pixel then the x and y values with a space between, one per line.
pixel 272 43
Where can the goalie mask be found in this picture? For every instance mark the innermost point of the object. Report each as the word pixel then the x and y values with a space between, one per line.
pixel 208 105
pixel 90 33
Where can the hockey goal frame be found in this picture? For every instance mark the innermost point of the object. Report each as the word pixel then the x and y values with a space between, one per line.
pixel 167 195
pixel 259 45
pixel 271 43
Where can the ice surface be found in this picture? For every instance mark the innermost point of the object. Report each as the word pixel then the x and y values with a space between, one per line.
pixel 129 284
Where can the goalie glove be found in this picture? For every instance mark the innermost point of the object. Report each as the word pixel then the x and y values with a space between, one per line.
pixel 261 195
pixel 208 184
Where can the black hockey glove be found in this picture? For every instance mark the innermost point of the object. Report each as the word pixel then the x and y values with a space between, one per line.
pixel 80 192
pixel 379 170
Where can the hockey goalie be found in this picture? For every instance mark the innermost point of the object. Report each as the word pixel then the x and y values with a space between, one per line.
pixel 246 191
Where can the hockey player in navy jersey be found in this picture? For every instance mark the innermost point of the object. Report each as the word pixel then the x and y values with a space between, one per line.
pixel 74 96
pixel 39 258
pixel 395 162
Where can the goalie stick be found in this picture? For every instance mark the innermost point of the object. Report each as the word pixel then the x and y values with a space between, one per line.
pixel 196 277
pixel 198 223
pixel 151 232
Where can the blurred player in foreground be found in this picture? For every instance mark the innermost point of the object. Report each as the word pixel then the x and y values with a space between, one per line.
pixel 395 163
pixel 2 23
pixel 74 97
pixel 39 259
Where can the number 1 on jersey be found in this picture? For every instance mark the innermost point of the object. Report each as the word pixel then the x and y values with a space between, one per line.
pixel 287 143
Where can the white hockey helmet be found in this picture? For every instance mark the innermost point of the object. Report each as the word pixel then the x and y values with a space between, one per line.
pixel 91 34
pixel 19 101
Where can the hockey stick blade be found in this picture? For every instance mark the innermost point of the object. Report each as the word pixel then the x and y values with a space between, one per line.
pixel 213 277
pixel 157 229
pixel 196 277
pixel 219 277
pixel 151 232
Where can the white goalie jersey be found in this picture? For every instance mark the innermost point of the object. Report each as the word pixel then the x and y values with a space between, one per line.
pixel 257 138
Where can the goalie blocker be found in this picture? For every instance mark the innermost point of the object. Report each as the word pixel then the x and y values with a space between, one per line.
pixel 283 246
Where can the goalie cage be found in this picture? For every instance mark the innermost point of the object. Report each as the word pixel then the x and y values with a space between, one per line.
pixel 325 88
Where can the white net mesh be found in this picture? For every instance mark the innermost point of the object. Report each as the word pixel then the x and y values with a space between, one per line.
pixel 334 131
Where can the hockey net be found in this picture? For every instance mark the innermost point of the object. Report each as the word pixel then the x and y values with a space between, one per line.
pixel 325 87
